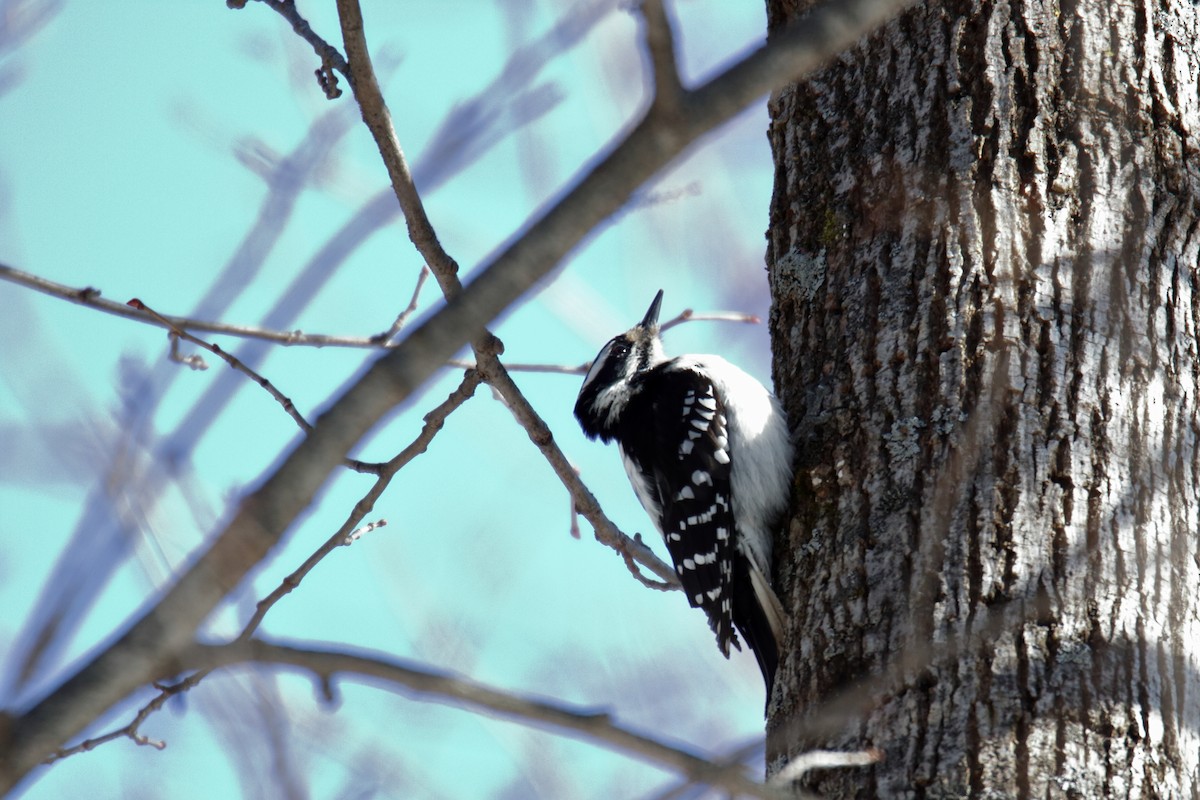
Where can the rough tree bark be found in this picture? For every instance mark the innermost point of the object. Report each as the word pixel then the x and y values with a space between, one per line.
pixel 983 254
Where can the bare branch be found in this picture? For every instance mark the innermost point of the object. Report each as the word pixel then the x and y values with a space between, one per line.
pixel 731 760
pixel 448 688
pixel 163 630
pixel 379 121
pixel 90 296
pixel 229 358
pixel 660 46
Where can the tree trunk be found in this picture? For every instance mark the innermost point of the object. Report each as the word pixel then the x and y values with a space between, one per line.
pixel 983 257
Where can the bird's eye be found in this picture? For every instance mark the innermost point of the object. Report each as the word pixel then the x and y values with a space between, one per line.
pixel 615 350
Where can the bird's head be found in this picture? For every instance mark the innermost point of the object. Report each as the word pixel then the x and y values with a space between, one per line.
pixel 609 382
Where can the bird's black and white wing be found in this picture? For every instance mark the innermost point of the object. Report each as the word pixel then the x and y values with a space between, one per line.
pixel 679 463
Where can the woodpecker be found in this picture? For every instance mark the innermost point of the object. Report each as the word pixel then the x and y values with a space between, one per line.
pixel 709 455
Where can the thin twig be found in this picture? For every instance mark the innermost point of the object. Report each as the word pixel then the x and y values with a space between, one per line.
pixel 229 358
pixel 573 528
pixel 434 421
pixel 687 315
pixel 194 360
pixel 130 731
pixel 408 311
pixel 331 59
pixel 91 297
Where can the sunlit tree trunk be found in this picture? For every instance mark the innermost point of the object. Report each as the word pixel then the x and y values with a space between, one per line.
pixel 983 255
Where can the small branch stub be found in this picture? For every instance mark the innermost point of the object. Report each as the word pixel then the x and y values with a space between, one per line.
pixel 327 80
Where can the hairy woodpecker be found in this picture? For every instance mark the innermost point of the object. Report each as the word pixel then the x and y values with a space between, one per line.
pixel 707 450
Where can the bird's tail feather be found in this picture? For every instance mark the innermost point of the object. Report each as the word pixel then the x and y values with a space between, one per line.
pixel 760 618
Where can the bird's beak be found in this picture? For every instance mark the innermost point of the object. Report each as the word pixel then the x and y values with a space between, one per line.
pixel 651 318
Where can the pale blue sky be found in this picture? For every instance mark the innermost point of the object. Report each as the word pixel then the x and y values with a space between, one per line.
pixel 118 171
